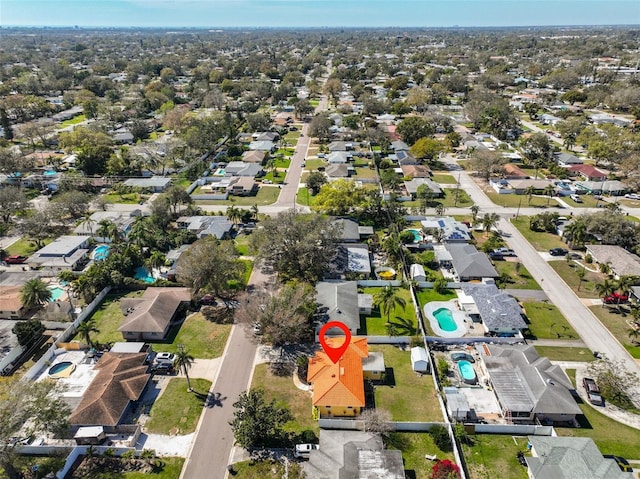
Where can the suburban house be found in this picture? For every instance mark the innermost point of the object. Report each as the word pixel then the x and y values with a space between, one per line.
pixel 513 172
pixel 351 231
pixel 566 160
pixel 416 171
pixel 242 186
pixel 122 220
pixel 464 261
pixel 340 301
pixel 241 168
pixel 353 454
pixel 528 387
pixel 399 145
pixel 338 388
pixel 262 145
pixel 499 312
pixel 119 383
pixel 122 136
pixel 453 231
pixel 412 187
pixel 338 157
pixel 202 226
pixel 340 146
pixel 352 259
pixel 11 306
pixel 150 317
pixel 570 458
pixel 265 136
pixel 405 158
pixel 155 184
pixel 64 253
pixel 254 156
pixel 338 170
pixel 621 261
pixel 609 187
pixel 589 172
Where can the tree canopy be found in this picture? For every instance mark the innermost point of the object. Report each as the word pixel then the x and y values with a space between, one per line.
pixel 258 422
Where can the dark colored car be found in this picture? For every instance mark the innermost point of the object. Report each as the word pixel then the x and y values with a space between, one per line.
pixel 163 368
pixel 495 256
pixel 15 259
pixel 558 251
pixel 462 357
pixel 593 392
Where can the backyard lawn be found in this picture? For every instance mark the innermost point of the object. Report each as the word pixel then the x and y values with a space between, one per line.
pixel 494 456
pixel 203 339
pixel 427 295
pixel 624 442
pixel 539 240
pixel 125 198
pixel 414 446
pixel 241 243
pixel 177 411
pixel 546 322
pixel 407 395
pixel 568 272
pixel 520 277
pixel 286 394
pixel 403 319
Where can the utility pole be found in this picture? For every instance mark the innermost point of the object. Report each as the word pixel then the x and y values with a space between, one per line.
pixel 518 210
pixel 455 203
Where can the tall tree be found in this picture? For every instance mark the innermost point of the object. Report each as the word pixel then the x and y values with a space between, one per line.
pixel 28 332
pixel 85 329
pixel 387 299
pixel 184 361
pixel 35 292
pixel 258 422
pixel 12 201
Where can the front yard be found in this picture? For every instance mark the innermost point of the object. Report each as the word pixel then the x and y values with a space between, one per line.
pixel 546 322
pixel 541 241
pixel 266 195
pixel 177 411
pixel 568 272
pixel 407 395
pixel 520 278
pixel 616 322
pixel 514 201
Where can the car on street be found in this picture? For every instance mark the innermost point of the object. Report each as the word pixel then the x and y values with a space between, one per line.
pixel 505 251
pixel 632 196
pixel 303 450
pixel 616 298
pixel 558 252
pixel 462 357
pixel 15 259
pixel 593 391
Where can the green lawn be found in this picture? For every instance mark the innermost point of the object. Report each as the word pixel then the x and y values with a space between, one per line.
pixel 177 411
pixel 314 163
pixel 403 318
pixel 282 162
pixel 625 441
pixel 520 277
pixel 266 195
pixel 546 322
pixel 172 467
pixel 406 395
pixel 286 394
pixel 279 179
pixel 616 322
pixel 24 247
pixel 427 295
pixel 513 201
pixel 567 271
pixel 363 172
pixel 304 197
pixel 588 201
pixel 449 200
pixel 541 241
pixel 241 243
pixel 444 178
pixel 73 121
pixel 126 199
pixel 555 353
pixel 265 470
pixel 203 339
pixel 494 456
pixel 414 446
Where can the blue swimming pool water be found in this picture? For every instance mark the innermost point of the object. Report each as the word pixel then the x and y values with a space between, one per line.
pixel 144 275
pixel 56 293
pixel 101 252
pixel 58 368
pixel 466 371
pixel 417 237
pixel 49 173
pixel 445 319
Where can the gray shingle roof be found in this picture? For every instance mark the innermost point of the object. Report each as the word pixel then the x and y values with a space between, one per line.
pixel 497 309
pixel 338 301
pixel 468 262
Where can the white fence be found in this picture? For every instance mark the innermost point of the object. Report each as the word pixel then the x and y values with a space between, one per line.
pixel 10 358
pixel 388 340
pixel 514 429
pixel 66 334
pixel 81 451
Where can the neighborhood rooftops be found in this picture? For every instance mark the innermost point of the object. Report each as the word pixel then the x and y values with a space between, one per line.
pixel 622 261
pixel 338 301
pixel 498 310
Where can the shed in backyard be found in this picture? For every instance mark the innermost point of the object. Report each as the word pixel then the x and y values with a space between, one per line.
pixel 419 360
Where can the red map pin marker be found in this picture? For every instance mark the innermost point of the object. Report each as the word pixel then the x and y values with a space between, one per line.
pixel 335 353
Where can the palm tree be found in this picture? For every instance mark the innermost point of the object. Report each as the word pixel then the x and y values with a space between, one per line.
pixel 549 191
pixel 605 289
pixel 85 329
pixel 529 192
pixel 489 221
pixel 474 213
pixel 254 212
pixel 184 361
pixel 234 214
pixel 140 232
pixel 624 284
pixel 155 261
pixel 35 293
pixel 108 230
pixel 386 299
pixel 440 209
pixel 581 272
pixel 89 223
pixel 634 334
pixel 575 233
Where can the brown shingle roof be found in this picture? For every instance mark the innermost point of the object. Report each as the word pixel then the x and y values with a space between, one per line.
pixel 121 378
pixel 153 311
pixel 10 298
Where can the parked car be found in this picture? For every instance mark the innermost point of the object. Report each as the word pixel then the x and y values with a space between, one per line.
pixel 593 392
pixel 165 358
pixel 163 368
pixel 495 256
pixel 616 298
pixel 505 252
pixel 15 259
pixel 576 198
pixel 632 196
pixel 303 450
pixel 558 252
pixel 462 357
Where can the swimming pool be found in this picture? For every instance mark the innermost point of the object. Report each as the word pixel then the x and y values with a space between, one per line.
pixel 62 370
pixel 56 293
pixel 467 372
pixel 143 275
pixel 101 252
pixel 417 236
pixel 445 319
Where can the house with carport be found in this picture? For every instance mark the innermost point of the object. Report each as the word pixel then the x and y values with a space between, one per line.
pixel 66 253
pixel 499 312
pixel 464 262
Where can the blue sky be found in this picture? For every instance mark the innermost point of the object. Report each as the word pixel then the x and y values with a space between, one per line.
pixel 317 13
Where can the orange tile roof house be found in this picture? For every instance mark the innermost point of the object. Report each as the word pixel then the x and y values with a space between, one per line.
pixel 121 380
pixel 149 317
pixel 338 389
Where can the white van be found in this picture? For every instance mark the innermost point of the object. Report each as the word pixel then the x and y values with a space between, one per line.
pixel 576 198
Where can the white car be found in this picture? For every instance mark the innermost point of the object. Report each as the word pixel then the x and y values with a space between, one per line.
pixel 166 358
pixel 632 196
pixel 576 198
pixel 303 450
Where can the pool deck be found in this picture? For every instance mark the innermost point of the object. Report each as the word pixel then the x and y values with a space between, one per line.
pixel 75 385
pixel 459 317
